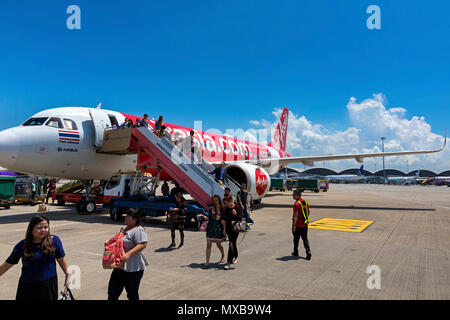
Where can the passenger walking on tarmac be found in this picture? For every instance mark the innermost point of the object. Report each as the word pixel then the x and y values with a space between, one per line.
pixel 300 221
pixel 143 122
pixel 165 189
pixel 33 194
pixel 177 218
pixel 232 213
pixel 130 123
pixel 242 201
pixel 127 188
pixel 220 174
pixel 39 252
pixel 215 231
pixel 51 190
pixel 175 190
pixel 134 262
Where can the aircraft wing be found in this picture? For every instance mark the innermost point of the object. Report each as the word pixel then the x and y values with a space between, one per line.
pixel 309 160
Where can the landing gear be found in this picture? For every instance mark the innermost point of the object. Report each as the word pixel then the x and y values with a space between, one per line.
pixel 80 207
pixel 60 201
pixel 90 207
pixel 86 206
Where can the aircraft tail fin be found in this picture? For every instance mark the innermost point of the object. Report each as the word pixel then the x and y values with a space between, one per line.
pixel 279 138
pixel 360 172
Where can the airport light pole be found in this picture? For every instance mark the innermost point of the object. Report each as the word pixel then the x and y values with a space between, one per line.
pixel 384 170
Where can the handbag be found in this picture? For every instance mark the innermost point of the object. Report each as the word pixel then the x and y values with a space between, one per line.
pixel 239 226
pixel 204 226
pixel 66 294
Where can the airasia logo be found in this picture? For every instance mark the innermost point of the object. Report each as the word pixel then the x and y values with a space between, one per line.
pixel 279 139
pixel 283 128
pixel 261 181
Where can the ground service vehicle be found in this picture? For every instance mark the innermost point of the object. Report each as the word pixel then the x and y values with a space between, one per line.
pixel 277 184
pixel 125 191
pixel 308 184
pixel 7 185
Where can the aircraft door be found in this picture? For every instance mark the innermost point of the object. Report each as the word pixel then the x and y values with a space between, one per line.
pixel 101 121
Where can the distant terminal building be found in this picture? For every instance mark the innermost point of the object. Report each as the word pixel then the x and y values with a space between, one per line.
pixel 328 172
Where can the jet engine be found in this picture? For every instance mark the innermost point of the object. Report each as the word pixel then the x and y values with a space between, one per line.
pixel 256 178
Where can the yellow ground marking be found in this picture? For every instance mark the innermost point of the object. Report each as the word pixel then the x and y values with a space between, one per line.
pixel 340 224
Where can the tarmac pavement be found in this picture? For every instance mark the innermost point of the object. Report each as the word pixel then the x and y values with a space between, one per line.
pixel 408 240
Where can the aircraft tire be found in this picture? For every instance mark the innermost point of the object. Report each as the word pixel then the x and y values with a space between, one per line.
pixel 60 201
pixel 89 207
pixel 80 207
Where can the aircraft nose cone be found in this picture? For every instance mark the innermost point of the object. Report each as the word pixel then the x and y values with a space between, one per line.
pixel 9 148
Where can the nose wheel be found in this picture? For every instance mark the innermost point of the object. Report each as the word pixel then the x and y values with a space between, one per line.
pixel 86 207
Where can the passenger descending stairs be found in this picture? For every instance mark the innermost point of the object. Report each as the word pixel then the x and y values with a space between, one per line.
pixel 192 176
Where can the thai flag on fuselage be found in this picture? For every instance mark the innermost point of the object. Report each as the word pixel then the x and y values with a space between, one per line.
pixel 66 135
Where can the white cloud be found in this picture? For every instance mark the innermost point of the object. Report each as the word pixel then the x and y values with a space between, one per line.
pixel 370 121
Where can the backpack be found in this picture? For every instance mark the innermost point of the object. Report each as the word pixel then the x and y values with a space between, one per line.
pixel 113 252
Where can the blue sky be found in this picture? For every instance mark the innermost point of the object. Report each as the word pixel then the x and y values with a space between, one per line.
pixel 225 62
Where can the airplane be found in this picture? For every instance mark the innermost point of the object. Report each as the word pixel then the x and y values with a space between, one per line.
pixel 347 178
pixel 437 180
pixel 66 143
pixel 405 180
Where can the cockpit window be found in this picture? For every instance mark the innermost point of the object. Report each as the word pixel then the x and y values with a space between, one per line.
pixel 70 124
pixel 55 122
pixel 35 121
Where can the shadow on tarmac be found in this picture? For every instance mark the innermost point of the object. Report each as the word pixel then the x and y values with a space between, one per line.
pixel 289 258
pixel 166 249
pixel 216 266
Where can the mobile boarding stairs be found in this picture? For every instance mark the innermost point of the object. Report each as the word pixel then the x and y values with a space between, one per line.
pixel 190 172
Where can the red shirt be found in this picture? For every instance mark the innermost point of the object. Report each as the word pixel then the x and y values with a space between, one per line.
pixel 298 209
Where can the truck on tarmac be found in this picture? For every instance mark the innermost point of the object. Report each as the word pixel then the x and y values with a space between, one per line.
pixel 314 185
pixel 7 185
pixel 125 191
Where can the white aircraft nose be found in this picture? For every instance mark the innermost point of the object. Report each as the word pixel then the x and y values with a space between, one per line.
pixel 9 148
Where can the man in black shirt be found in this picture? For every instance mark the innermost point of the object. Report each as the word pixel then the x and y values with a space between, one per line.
pixel 232 213
pixel 242 200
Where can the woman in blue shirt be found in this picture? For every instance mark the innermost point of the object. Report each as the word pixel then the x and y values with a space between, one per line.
pixel 39 251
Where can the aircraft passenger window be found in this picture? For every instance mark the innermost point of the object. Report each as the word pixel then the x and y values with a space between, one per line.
pixel 113 120
pixel 70 124
pixel 113 182
pixel 35 121
pixel 55 122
